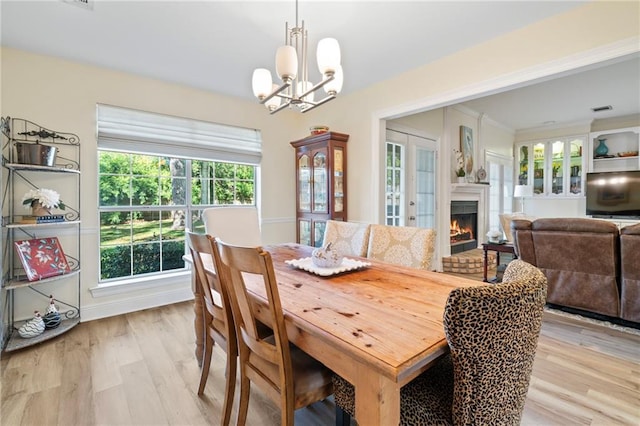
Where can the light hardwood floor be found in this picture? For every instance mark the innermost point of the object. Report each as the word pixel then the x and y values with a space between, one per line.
pixel 139 369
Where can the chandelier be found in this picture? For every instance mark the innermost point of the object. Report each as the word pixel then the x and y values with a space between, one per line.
pixel 291 66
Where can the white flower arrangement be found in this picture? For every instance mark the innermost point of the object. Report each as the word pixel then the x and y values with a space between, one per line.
pixel 459 163
pixel 47 197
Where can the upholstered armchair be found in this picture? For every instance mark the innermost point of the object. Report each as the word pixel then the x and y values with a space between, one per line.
pixel 580 258
pixel 630 265
pixel 349 238
pixel 402 245
pixel 492 331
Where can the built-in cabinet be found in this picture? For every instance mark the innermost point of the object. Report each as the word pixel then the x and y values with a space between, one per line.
pixel 22 296
pixel 620 152
pixel 321 184
pixel 553 167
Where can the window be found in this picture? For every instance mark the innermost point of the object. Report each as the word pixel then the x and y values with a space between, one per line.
pixel 500 172
pixel 146 199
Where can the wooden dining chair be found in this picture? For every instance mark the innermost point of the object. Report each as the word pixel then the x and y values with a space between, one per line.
pixel 492 332
pixel 349 238
pixel 402 245
pixel 287 375
pixel 218 319
pixel 238 225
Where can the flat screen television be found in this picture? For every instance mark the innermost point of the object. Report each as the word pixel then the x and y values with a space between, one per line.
pixel 614 194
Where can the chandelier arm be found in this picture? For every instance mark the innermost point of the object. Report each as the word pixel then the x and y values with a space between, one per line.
pixel 317 86
pixel 276 92
pixel 281 107
pixel 317 104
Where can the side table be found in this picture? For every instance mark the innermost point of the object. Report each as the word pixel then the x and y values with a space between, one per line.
pixel 498 248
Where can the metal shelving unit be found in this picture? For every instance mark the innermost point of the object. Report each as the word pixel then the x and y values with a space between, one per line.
pixel 17 290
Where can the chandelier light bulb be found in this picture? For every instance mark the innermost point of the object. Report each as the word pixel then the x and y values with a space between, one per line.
pixel 287 63
pixel 328 55
pixel 335 86
pixel 261 82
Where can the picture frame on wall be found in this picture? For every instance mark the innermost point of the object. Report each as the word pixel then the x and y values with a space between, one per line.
pixel 466 147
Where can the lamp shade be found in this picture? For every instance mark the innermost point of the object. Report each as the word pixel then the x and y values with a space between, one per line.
pixel 328 55
pixel 523 191
pixel 261 82
pixel 287 63
pixel 335 86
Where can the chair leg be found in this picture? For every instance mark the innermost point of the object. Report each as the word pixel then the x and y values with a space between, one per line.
pixel 342 417
pixel 245 388
pixel 206 363
pixel 230 387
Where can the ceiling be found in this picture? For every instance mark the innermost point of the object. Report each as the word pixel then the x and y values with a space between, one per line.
pixel 216 45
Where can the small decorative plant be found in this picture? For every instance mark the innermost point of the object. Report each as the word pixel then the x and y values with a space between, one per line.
pixel 48 198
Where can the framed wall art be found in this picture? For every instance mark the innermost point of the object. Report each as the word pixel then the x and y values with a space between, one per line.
pixel 466 146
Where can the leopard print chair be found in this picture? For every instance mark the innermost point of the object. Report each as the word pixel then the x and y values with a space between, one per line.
pixel 492 331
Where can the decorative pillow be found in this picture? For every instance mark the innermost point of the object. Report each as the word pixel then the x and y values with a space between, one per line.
pixel 402 245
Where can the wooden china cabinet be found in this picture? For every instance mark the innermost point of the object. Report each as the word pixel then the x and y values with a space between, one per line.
pixel 321 184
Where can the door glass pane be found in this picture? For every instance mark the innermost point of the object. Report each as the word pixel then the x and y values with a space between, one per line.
pixel 575 168
pixel 538 168
pixel 320 183
pixel 304 183
pixel 394 185
pixel 318 233
pixel 557 167
pixel 425 188
pixel 305 232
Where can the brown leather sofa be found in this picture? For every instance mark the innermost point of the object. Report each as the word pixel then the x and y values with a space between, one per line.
pixel 630 270
pixel 581 260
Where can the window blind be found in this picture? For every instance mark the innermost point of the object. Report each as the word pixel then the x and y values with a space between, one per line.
pixel 142 132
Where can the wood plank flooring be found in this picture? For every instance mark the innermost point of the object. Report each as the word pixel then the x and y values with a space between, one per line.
pixel 139 369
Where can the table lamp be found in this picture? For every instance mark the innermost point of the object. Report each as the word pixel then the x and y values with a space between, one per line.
pixel 523 191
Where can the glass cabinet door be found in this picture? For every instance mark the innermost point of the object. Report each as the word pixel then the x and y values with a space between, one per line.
pixel 538 168
pixel 304 183
pixel 557 167
pixel 318 232
pixel 576 147
pixel 320 188
pixel 304 229
pixel 338 184
pixel 523 165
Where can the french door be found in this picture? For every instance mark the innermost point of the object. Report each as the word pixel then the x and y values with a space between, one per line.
pixel 410 180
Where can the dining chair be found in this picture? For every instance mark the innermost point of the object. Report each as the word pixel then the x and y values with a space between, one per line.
pixel 218 318
pixel 505 222
pixel 492 332
pixel 349 238
pixel 234 225
pixel 402 245
pixel 288 376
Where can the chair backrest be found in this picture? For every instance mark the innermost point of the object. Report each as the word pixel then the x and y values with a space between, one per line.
pixel 267 360
pixel 493 331
pixel 349 238
pixel 505 222
pixel 402 245
pixel 234 225
pixel 216 299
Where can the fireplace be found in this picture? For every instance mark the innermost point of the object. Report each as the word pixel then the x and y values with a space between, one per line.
pixel 463 229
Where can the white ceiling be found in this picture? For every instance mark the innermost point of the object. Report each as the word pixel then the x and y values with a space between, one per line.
pixel 215 45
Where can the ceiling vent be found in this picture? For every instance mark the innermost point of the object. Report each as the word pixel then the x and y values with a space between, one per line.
pixel 85 4
pixel 602 108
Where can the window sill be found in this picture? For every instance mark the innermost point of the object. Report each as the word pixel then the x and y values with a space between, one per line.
pixel 137 284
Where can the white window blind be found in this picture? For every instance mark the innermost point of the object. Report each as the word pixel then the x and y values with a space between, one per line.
pixel 124 129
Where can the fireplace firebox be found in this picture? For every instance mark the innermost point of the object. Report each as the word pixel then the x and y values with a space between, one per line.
pixel 464 226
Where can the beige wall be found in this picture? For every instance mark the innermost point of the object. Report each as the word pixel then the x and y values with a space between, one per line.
pixel 63 95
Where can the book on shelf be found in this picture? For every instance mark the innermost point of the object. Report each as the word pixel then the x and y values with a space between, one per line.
pixel 42 219
pixel 42 258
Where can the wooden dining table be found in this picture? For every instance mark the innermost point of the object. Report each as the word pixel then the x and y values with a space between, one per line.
pixel 378 327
